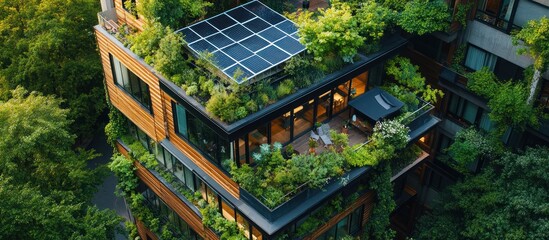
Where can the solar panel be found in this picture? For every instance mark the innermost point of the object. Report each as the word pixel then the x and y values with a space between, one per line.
pixel 272 34
pixel 204 29
pixel 254 43
pixel 251 37
pixel 202 45
pixel 219 40
pixel 257 25
pixel 237 32
pixel 221 60
pixel 189 35
pixel 287 26
pixel 289 45
pixel 233 70
pixel 255 64
pixel 221 22
pixel 237 52
pixel 240 14
pixel 273 54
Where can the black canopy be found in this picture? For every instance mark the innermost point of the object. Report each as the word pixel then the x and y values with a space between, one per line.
pixel 376 104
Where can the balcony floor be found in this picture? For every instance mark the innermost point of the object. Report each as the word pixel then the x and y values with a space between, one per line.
pixel 356 136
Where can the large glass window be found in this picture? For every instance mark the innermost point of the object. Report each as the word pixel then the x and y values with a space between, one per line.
pixel 496 12
pixel 201 136
pixel 255 139
pixel 178 227
pixel 280 128
pixel 323 107
pixel 347 226
pixel 478 58
pixel 303 117
pixel 358 84
pixel 341 94
pixel 468 113
pixel 130 82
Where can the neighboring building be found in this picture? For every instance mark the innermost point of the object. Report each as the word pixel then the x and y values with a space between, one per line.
pixel 486 42
pixel 194 145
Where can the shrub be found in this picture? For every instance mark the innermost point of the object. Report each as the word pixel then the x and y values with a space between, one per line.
pixel 286 87
pixel 424 16
pixel 169 57
pixel 173 13
pixel 146 43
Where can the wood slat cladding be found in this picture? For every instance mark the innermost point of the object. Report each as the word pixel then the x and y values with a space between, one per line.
pixel 366 199
pixel 151 124
pixel 128 18
pixel 144 232
pixel 213 171
pixel 194 221
pixel 173 202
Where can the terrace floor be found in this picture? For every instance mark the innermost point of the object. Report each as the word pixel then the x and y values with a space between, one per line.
pixel 356 136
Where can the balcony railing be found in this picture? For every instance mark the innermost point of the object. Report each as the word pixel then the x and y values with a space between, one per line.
pixel 107 19
pixel 499 23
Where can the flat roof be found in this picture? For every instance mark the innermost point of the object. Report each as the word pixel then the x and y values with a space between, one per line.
pixel 251 37
pixel 376 104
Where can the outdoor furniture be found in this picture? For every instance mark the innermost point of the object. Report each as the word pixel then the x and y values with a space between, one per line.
pixel 323 132
pixel 314 135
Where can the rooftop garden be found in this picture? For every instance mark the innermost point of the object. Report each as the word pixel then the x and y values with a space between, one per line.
pixel 333 38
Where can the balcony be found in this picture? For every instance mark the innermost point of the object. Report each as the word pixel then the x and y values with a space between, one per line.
pixel 108 20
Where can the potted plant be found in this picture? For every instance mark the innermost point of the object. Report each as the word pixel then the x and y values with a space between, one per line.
pixel 317 125
pixel 312 145
pixel 288 151
pixel 346 126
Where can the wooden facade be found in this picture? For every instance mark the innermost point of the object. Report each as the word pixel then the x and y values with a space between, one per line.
pixel 127 17
pixel 213 171
pixel 367 200
pixel 152 123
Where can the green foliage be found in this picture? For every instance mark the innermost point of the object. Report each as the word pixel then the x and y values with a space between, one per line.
pixel 286 87
pixel 424 16
pixel 116 127
pixel 500 203
pixel 372 18
pixel 169 57
pixel 462 12
pixel 130 6
pixel 535 43
pixel 173 13
pixel 483 82
pixel 147 42
pixel 228 107
pixel 470 145
pixel 458 58
pixel 378 225
pixel 49 46
pixel 410 82
pixel 508 102
pixel 211 218
pixel 303 70
pixel 27 213
pixel 334 31
pixel 124 169
pixel 388 137
pixel 46 186
pixel 275 180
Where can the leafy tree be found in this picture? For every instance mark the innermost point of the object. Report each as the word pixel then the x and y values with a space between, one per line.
pixel 509 200
pixel 173 13
pixel 410 82
pixel 534 41
pixel 333 32
pixel 147 42
pixel 45 186
pixel 471 145
pixel 49 46
pixel 424 16
pixel 507 101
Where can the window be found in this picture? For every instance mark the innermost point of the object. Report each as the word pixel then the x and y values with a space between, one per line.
pixel 173 165
pixel 130 6
pixel 478 58
pixel 139 135
pixel 349 225
pixel 468 113
pixel 131 83
pixel 496 13
pixel 201 136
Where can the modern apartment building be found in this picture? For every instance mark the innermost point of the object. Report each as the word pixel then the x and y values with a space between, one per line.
pixel 196 148
pixel 486 41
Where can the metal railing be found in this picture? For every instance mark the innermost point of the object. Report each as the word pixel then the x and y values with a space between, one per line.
pixel 107 19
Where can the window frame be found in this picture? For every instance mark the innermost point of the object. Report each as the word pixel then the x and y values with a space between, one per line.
pixel 145 100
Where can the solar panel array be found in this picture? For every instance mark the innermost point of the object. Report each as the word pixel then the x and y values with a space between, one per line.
pixel 251 37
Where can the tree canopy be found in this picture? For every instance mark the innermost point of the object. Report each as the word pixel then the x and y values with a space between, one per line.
pixel 508 200
pixel 424 16
pixel 49 46
pixel 45 186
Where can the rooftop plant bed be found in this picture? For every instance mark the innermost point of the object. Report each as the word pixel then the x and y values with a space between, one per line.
pixel 275 180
